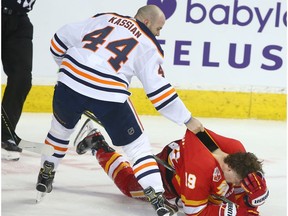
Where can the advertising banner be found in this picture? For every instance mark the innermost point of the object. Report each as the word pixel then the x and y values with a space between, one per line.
pixel 225 43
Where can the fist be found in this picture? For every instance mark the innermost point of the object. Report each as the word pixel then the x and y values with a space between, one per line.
pixel 228 210
pixel 255 186
pixel 194 125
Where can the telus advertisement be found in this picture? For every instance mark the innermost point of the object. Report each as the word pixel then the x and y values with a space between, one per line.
pixel 217 43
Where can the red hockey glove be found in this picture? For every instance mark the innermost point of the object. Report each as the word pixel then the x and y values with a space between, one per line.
pixel 255 186
pixel 228 209
pixel 247 212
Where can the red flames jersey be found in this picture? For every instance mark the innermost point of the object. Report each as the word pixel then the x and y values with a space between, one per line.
pixel 198 175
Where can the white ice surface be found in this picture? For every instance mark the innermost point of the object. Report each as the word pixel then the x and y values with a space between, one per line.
pixel 82 188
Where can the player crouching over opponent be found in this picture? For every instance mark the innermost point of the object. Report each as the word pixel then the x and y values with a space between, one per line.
pixel 197 178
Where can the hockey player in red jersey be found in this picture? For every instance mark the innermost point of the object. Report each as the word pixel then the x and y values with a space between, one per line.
pixel 196 176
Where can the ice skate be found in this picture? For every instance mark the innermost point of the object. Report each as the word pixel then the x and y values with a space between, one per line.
pixel 93 141
pixel 84 131
pixel 45 180
pixel 159 203
pixel 10 151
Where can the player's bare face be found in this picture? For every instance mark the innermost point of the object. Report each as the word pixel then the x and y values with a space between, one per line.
pixel 232 177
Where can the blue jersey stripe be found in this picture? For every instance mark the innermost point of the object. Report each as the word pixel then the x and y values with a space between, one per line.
pixel 159 90
pixel 57 39
pixel 65 142
pixel 84 67
pixel 83 82
pixel 147 173
pixel 166 102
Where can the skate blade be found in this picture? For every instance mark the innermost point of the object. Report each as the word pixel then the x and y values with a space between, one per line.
pixel 40 196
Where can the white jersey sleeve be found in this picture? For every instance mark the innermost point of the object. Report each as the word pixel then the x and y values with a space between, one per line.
pixel 65 38
pixel 160 92
pixel 99 56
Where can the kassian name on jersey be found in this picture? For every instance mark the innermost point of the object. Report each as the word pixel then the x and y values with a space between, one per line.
pixel 126 23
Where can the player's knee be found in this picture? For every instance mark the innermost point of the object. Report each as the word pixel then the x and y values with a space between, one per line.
pixel 138 148
pixel 59 131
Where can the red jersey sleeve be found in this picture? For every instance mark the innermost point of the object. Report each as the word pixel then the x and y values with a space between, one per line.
pixel 227 144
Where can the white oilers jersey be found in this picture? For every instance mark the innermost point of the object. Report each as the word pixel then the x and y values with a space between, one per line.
pixel 99 56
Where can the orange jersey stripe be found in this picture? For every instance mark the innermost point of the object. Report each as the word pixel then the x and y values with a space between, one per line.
pixel 91 77
pixel 168 93
pixel 135 113
pixel 55 47
pixel 56 147
pixel 145 166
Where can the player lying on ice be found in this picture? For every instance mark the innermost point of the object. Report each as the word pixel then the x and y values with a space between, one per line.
pixel 197 177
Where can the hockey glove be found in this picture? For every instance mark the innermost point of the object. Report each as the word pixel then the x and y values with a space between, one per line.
pixel 247 211
pixel 255 186
pixel 228 209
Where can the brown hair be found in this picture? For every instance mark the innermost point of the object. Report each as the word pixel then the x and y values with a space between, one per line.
pixel 243 163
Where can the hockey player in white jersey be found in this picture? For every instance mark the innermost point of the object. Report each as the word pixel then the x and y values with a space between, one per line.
pixel 97 59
